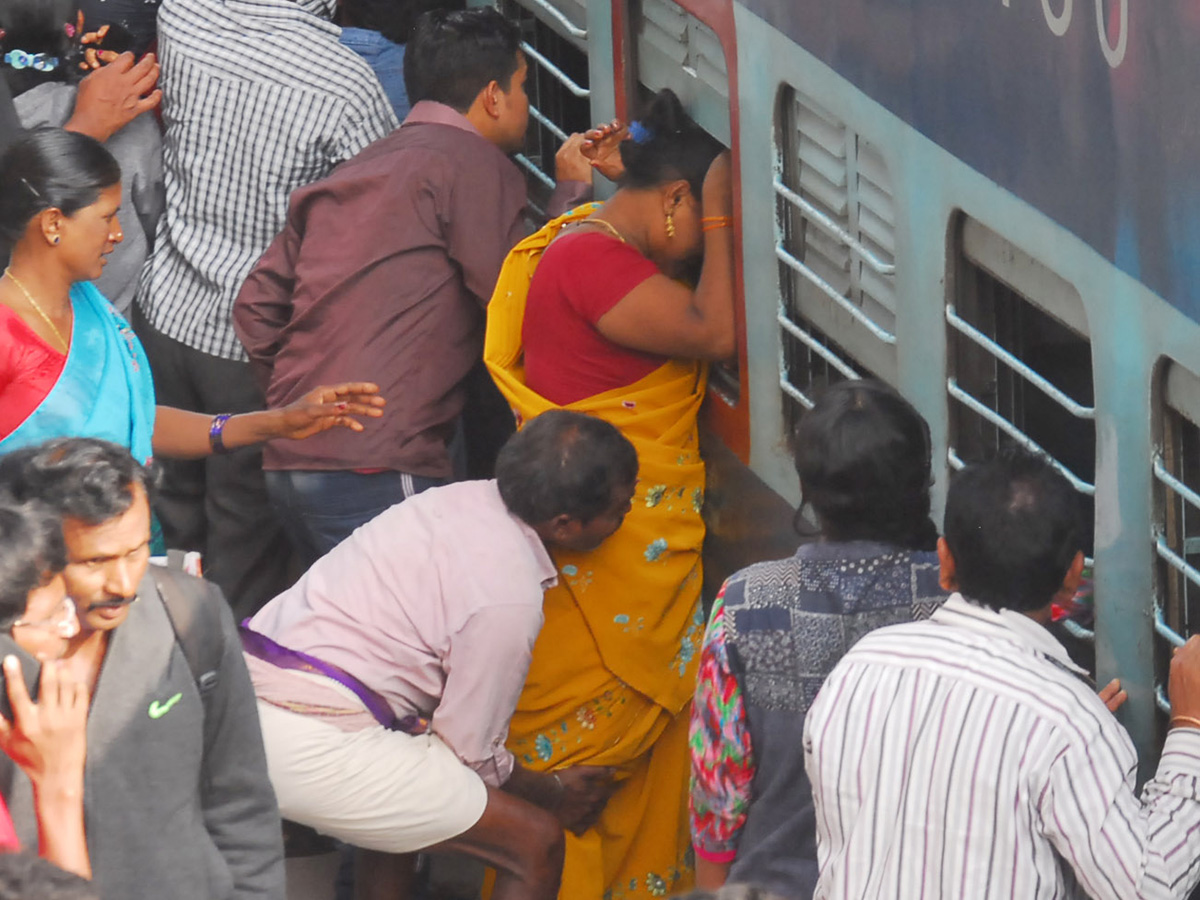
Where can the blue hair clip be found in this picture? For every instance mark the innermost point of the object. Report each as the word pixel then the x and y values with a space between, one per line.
pixel 19 59
pixel 639 133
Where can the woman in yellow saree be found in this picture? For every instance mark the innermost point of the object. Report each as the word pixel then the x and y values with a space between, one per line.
pixel 597 324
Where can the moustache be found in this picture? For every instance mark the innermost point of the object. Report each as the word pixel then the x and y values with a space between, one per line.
pixel 115 603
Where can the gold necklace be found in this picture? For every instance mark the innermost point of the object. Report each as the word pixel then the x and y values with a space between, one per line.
pixel 607 226
pixel 41 312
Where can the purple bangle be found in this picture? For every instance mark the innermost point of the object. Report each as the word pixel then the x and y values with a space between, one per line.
pixel 216 433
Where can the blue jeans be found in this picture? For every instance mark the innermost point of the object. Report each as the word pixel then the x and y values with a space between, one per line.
pixel 319 509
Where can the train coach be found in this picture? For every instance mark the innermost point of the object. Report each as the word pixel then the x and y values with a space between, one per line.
pixel 989 204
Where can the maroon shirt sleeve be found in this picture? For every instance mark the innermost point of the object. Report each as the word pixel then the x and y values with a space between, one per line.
pixel 566 196
pixel 264 304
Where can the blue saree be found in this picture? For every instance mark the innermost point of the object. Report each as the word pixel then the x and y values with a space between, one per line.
pixel 105 389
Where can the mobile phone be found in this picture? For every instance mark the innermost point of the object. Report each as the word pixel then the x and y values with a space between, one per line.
pixel 31 670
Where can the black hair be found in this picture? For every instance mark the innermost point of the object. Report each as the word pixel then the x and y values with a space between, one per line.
pixel 1013 526
pixel 50 168
pixel 564 463
pixel 863 457
pixel 667 146
pixel 78 478
pixel 38 27
pixel 394 19
pixel 453 55
pixel 26 876
pixel 31 548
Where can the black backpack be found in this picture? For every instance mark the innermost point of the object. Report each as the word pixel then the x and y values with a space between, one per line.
pixel 191 606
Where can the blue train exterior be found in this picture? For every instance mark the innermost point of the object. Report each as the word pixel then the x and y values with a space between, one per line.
pixel 991 205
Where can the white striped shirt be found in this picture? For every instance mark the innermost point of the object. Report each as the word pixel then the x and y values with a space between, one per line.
pixel 259 98
pixel 967 757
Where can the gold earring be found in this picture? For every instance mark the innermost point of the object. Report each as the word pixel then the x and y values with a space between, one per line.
pixel 670 224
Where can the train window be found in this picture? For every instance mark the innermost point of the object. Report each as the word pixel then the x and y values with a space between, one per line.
pixel 677 50
pixel 557 85
pixel 1177 513
pixel 835 243
pixel 1020 360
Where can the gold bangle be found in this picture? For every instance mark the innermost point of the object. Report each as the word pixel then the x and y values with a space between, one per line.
pixel 716 227
pixel 1189 721
pixel 724 220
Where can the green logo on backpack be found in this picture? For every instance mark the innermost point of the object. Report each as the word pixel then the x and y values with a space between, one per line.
pixel 158 710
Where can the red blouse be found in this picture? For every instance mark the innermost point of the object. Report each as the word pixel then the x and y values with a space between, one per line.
pixel 29 368
pixel 580 277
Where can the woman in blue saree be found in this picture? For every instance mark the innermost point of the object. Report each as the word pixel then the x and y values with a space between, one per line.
pixel 70 365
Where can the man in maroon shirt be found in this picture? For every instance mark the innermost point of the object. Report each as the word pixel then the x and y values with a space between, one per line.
pixel 385 269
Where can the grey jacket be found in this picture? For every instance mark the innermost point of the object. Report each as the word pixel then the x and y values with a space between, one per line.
pixel 177 807
pixel 138 149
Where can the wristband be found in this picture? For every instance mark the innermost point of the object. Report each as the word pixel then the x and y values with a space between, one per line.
pixel 715 226
pixel 1186 721
pixel 719 220
pixel 216 436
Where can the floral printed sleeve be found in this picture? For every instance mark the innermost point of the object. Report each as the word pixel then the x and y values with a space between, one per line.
pixel 722 758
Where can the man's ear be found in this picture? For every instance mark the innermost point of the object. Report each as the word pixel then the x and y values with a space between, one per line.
pixel 491 99
pixel 947 574
pixel 563 528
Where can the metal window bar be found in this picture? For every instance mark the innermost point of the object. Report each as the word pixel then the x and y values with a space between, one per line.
pixel 833 294
pixel 561 76
pixel 965 328
pixel 818 348
pixel 1173 638
pixel 986 412
pixel 1176 561
pixel 548 124
pixel 568 26
pixel 815 215
pixel 529 166
pixel 1164 550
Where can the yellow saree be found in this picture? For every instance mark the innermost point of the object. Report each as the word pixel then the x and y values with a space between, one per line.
pixel 614 667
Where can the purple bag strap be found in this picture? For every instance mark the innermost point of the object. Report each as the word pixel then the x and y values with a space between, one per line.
pixel 262 647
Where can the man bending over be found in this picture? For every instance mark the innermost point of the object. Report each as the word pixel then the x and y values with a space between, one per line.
pixel 387 676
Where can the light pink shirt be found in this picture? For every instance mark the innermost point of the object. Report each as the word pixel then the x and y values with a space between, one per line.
pixel 435 604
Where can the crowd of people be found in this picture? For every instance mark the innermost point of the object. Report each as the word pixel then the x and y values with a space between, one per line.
pixel 441 462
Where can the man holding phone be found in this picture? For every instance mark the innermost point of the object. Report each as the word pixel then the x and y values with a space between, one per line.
pixel 177 800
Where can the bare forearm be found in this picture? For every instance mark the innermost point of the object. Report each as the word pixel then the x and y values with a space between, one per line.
pixel 710 875
pixel 85 121
pixel 539 788
pixel 713 298
pixel 179 434
pixel 61 836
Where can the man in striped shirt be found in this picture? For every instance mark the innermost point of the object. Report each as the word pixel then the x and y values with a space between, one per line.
pixel 967 756
pixel 259 99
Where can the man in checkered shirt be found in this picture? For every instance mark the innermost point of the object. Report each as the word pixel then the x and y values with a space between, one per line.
pixel 259 99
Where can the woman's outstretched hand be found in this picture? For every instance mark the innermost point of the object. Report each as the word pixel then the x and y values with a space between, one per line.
pixel 330 407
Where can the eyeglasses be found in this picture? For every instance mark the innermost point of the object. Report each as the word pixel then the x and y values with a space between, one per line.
pixel 63 621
